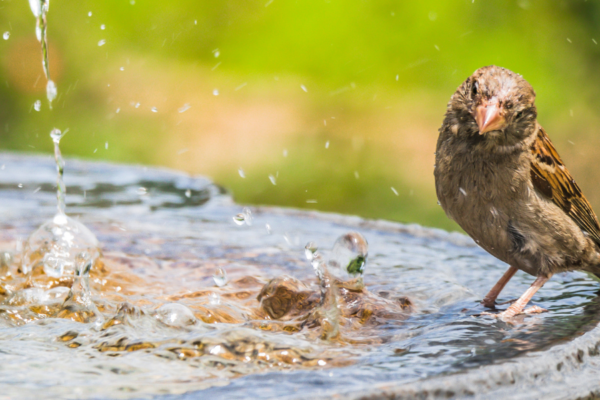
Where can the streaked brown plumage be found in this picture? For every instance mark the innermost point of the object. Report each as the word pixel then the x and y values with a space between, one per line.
pixel 500 178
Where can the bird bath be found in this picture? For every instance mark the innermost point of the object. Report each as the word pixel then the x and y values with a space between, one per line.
pixel 176 313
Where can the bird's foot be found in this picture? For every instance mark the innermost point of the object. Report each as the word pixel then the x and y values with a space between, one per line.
pixel 510 313
pixel 507 302
pixel 534 310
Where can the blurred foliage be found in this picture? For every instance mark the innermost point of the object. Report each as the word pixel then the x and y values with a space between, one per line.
pixel 261 78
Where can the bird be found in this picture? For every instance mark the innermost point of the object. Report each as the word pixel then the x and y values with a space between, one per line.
pixel 498 175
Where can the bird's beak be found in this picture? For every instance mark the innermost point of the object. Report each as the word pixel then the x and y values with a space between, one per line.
pixel 490 116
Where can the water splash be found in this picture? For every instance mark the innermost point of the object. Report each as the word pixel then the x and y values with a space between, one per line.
pixel 328 312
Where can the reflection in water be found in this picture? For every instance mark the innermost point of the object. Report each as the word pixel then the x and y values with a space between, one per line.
pixel 182 300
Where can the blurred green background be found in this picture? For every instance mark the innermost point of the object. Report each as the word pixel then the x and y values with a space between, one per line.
pixel 338 101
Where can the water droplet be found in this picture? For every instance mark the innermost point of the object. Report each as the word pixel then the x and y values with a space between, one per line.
pixel 175 315
pixel 188 193
pixel 268 228
pixel 304 88
pixel 285 152
pixel 137 105
pixel 310 250
pixel 36 8
pixel 106 145
pixel 51 90
pixel 102 27
pixel 56 135
pixel 102 42
pixel 216 53
pixel 245 217
pixel 122 69
pixel 272 179
pixel 118 110
pixel 322 363
pixel 220 277
pixel 214 299
pixel 241 172
pixel 327 144
pixel 154 109
pixel 37 106
pixel 350 253
pixel 6 35
pixel 89 14
pixel 394 190
pixel 463 191
pixel 216 92
pixel 184 108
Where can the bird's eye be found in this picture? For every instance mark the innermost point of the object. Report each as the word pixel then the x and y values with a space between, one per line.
pixel 474 89
pixel 519 114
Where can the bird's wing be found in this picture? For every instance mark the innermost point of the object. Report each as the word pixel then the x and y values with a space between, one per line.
pixel 552 179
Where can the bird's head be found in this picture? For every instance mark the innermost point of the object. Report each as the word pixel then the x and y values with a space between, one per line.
pixel 495 103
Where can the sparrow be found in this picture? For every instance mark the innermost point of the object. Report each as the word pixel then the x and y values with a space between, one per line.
pixel 498 175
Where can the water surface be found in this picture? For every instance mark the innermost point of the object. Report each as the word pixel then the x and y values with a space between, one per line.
pixel 164 329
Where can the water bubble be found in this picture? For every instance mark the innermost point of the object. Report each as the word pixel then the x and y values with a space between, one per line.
pixel 188 193
pixel 122 69
pixel 102 42
pixel 327 144
pixel 216 53
pixel 245 217
pixel 6 35
pixel 37 106
pixel 51 90
pixel 185 107
pixel 137 105
pixel 60 246
pixel 216 92
pixel 310 250
pixel 89 14
pixel 154 109
pixel 241 172
pixel 272 179
pixel 304 88
pixel 175 315
pixel 220 277
pixel 350 253
pixel 102 27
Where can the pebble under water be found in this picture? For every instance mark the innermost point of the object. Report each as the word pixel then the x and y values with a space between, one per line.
pixel 189 302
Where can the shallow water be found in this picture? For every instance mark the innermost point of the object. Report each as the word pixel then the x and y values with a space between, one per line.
pixel 164 328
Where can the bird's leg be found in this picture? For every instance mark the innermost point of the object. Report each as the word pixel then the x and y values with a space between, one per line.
pixel 517 306
pixel 490 299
